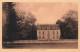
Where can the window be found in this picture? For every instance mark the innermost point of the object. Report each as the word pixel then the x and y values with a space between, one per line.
pixel 48 28
pixel 53 27
pixel 57 32
pixel 43 37
pixel 41 28
pixel 53 37
pixel 39 33
pixel 53 32
pixel 39 37
pixel 43 32
pixel 57 36
pixel 57 27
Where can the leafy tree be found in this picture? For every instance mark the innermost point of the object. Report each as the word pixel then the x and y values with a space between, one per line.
pixel 27 25
pixel 31 20
pixel 69 25
pixel 17 26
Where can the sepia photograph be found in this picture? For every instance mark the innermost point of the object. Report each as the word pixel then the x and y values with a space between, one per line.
pixel 39 25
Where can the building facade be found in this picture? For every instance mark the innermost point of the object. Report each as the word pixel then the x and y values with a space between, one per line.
pixel 48 32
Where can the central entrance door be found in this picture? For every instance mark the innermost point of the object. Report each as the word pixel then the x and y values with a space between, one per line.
pixel 50 35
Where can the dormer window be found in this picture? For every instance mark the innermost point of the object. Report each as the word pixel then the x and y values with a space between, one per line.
pixel 39 28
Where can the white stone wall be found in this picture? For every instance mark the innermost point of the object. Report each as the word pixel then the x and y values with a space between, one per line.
pixel 48 34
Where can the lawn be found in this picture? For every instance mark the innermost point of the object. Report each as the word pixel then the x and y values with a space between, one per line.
pixel 35 44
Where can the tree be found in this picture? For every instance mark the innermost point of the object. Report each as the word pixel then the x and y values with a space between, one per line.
pixel 4 14
pixel 33 30
pixel 17 26
pixel 11 19
pixel 69 25
pixel 27 25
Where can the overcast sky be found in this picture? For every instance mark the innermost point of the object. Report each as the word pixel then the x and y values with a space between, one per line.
pixel 47 13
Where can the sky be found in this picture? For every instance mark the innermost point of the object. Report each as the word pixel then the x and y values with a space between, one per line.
pixel 47 12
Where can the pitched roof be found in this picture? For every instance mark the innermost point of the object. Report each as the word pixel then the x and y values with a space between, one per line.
pixel 48 26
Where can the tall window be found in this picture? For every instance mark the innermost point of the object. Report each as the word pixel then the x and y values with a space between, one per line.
pixel 53 28
pixel 39 37
pixel 53 35
pixel 53 32
pixel 43 34
pixel 39 33
pixel 57 36
pixel 43 37
pixel 41 28
pixel 57 32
